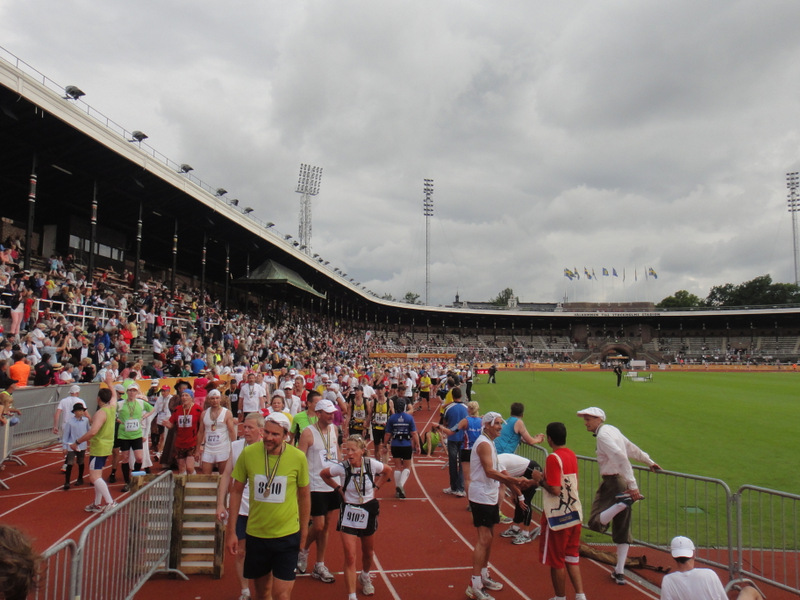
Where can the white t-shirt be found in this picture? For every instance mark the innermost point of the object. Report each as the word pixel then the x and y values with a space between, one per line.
pixel 250 396
pixel 697 584
pixel 514 464
pixel 65 406
pixel 357 482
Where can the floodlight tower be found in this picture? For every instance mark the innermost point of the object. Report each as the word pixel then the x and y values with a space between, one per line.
pixel 793 182
pixel 308 186
pixel 427 210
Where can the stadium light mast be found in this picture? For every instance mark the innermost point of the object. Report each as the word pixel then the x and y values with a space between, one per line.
pixel 308 186
pixel 793 183
pixel 427 210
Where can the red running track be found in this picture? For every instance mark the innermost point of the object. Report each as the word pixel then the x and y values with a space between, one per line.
pixel 423 547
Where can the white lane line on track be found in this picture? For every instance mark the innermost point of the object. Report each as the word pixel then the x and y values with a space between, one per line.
pixel 29 471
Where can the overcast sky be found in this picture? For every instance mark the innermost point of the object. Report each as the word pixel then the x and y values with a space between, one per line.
pixel 620 134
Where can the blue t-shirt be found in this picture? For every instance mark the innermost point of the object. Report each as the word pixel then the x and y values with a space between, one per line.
pixel 400 426
pixel 474 426
pixel 508 440
pixel 453 415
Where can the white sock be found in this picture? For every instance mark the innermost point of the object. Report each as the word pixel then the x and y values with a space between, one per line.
pixel 319 565
pixel 477 582
pixel 613 511
pixel 404 477
pixel 101 492
pixel 352 596
pixel 580 596
pixel 397 481
pixel 365 575
pixel 485 572
pixel 622 556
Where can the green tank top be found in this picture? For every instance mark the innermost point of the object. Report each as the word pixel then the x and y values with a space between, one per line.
pixel 103 441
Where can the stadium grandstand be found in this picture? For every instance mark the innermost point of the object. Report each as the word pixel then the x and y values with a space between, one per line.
pixel 127 220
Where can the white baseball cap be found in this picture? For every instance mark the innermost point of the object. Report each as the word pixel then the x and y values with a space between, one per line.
pixel 279 418
pixel 491 416
pixel 326 406
pixel 681 547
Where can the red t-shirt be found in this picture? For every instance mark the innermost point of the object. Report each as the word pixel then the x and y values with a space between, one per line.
pixel 553 470
pixel 187 423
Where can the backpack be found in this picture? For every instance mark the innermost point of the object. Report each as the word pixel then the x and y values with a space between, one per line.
pixel 348 472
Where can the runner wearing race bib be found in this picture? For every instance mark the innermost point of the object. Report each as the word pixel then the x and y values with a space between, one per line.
pixel 274 470
pixel 129 416
pixel 214 436
pixel 319 442
pixel 359 515
pixel 381 409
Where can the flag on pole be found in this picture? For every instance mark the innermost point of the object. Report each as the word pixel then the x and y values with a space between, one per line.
pixel 614 272
pixel 605 272
pixel 653 273
pixel 586 272
pixel 577 273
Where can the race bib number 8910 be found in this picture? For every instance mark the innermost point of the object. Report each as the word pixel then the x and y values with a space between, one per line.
pixel 276 492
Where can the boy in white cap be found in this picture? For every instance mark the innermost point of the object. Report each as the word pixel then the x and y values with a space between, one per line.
pixel 618 490
pixel 690 583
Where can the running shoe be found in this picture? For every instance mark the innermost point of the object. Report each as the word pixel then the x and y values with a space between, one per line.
pixel 449 491
pixel 505 520
pixel 478 594
pixel 79 482
pixel 66 487
pixel 245 595
pixel 535 533
pixel 64 468
pixel 460 493
pixel 112 478
pixel 491 584
pixel 302 561
pixel 93 508
pixel 511 532
pixel 366 586
pixel 125 488
pixel 399 492
pixel 626 499
pixel 110 507
pixel 522 538
pixel 321 572
pixel 618 578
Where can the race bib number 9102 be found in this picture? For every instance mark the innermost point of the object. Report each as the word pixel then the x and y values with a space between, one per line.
pixel 354 517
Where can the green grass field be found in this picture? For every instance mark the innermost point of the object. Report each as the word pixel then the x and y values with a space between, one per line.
pixel 741 428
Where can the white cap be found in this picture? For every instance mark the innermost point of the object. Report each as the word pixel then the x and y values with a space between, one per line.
pixel 681 547
pixel 288 385
pixel 278 393
pixel 491 416
pixel 326 406
pixel 75 389
pixel 214 394
pixel 279 418
pixel 593 411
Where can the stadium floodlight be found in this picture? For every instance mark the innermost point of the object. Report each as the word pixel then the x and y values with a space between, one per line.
pixel 186 168
pixel 247 210
pixel 73 92
pixel 327 262
pixel 138 136
pixel 288 236
pixel 427 210
pixel 235 202
pixel 270 225
pixel 295 243
pixel 793 183
pixel 220 192
pixel 307 186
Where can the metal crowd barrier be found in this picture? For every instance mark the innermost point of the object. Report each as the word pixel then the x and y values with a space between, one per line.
pixel 753 534
pixel 35 428
pixel 768 546
pixel 55 576
pixel 118 552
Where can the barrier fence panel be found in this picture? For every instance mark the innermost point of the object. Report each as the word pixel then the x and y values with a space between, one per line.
pixel 675 504
pixel 56 571
pixel 124 547
pixel 769 539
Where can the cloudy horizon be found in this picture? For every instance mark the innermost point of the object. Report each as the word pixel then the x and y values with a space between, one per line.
pixel 619 135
